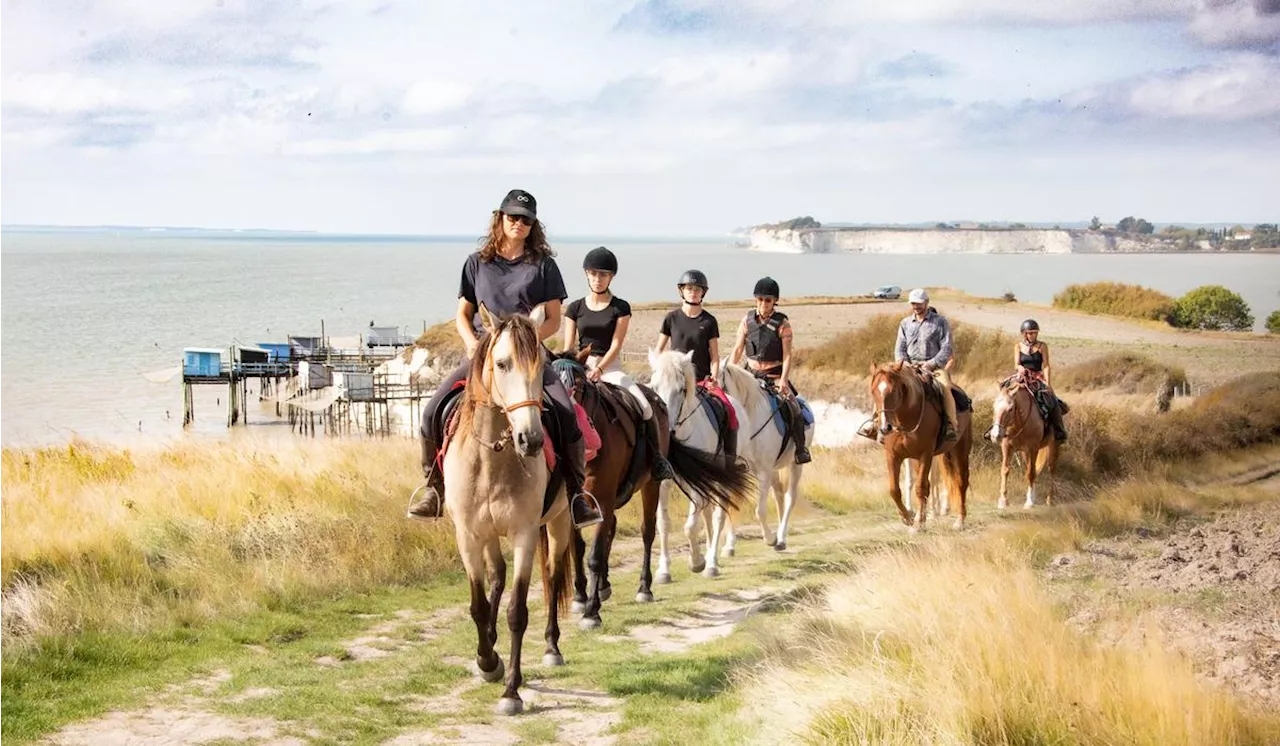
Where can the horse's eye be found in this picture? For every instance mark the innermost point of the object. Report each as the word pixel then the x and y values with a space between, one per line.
pixel 503 365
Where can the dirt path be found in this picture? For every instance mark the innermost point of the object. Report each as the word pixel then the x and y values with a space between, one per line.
pixel 231 704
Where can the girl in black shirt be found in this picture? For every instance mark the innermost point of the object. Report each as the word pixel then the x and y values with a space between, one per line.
pixel 600 322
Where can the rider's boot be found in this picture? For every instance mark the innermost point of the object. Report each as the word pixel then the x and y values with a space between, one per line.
pixel 661 468
pixel 431 504
pixel 585 508
pixel 1055 420
pixel 797 432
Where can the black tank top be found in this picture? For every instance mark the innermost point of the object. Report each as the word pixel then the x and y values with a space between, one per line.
pixel 764 340
pixel 1033 361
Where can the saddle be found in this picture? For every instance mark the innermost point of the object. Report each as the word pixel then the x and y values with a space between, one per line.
pixel 621 409
pixel 447 425
pixel 778 405
pixel 715 403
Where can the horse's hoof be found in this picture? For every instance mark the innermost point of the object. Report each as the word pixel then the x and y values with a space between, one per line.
pixel 509 706
pixel 1002 505
pixel 913 529
pixel 663 578
pixel 577 607
pixel 728 551
pixel 589 622
pixel 698 567
pixel 644 597
pixel 711 572
pixel 1028 505
pixel 553 660
pixel 494 675
pixel 958 525
pixel 780 546
pixel 606 593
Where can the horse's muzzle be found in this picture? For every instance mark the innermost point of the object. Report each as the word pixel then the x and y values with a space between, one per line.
pixel 886 428
pixel 528 445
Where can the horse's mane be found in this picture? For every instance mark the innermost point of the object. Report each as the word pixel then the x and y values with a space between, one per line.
pixel 673 365
pixel 742 384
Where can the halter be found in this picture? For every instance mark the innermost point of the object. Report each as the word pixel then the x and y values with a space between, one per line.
pixel 1009 434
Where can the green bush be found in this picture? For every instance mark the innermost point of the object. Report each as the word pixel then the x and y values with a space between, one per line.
pixel 1273 322
pixel 1212 307
pixel 978 353
pixel 1116 299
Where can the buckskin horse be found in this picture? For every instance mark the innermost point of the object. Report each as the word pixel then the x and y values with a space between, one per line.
pixel 497 481
pixel 672 377
pixel 1017 425
pixel 766 449
pixel 910 426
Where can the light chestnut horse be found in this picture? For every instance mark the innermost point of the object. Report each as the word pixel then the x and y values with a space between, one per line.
pixel 495 478
pixel 909 425
pixel 1017 426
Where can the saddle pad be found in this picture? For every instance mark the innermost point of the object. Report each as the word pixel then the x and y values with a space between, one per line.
pixel 780 421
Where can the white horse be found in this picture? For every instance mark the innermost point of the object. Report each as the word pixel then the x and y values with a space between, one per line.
pixel 672 377
pixel 760 443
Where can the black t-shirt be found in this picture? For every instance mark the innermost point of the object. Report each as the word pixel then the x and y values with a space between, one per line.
pixel 506 287
pixel 693 333
pixel 596 328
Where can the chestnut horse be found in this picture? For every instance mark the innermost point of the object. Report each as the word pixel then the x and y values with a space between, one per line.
pixel 909 425
pixel 1016 424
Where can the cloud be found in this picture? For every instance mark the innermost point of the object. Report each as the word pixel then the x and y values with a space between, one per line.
pixel 914 65
pixel 1243 88
pixel 1241 24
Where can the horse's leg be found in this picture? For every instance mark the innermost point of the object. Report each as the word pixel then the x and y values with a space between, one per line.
pixel 691 529
pixel 1049 468
pixel 497 583
pixel 487 661
pixel 579 574
pixel 556 564
pixel 786 501
pixel 1031 455
pixel 595 566
pixel 524 545
pixel 715 519
pixel 1006 454
pixel 664 528
pixel 894 464
pixel 648 523
pixel 907 469
pixel 942 495
pixel 606 588
pixel 729 535
pixel 922 493
pixel 763 483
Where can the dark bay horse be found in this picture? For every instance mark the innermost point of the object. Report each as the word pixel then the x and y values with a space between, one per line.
pixel 910 423
pixel 623 466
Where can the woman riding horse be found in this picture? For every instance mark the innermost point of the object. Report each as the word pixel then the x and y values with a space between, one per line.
pixel 599 323
pixel 764 336
pixel 513 272
pixel 691 328
pixel 1031 358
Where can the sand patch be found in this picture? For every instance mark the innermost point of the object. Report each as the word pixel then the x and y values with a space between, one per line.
pixel 406 627
pixel 160 726
pixel 715 617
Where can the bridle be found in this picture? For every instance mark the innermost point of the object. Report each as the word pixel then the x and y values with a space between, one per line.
pixel 887 412
pixel 1010 433
pixel 506 435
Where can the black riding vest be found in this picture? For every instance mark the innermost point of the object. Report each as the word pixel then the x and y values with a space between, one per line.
pixel 764 341
pixel 1033 361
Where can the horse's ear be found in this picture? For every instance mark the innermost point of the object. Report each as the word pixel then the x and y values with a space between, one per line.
pixel 653 359
pixel 538 315
pixel 486 319
pixel 897 366
pixel 871 367
pixel 688 356
pixel 583 354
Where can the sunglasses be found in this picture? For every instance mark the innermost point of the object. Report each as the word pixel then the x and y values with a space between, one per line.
pixel 524 219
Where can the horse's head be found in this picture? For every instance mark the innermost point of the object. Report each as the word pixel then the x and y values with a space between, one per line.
pixel 890 390
pixel 1004 411
pixel 571 369
pixel 672 377
pixel 507 374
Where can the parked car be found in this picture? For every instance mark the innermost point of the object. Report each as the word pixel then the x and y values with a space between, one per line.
pixel 888 292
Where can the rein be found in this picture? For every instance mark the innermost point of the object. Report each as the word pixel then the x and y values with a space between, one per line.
pixel 505 437
pixel 893 413
pixel 1011 434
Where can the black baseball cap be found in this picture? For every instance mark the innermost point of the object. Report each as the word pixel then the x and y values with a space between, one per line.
pixel 519 202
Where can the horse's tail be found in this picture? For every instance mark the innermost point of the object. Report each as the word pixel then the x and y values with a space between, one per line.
pixel 555 595
pixel 707 474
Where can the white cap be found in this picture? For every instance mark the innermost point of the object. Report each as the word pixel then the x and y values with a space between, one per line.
pixel 918 296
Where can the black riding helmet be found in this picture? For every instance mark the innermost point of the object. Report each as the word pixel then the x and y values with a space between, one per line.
pixel 1030 325
pixel 600 259
pixel 766 287
pixel 693 277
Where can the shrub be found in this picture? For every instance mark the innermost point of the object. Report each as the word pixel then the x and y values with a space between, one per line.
pixel 1212 307
pixel 1273 322
pixel 1127 372
pixel 1116 299
pixel 977 352
pixel 1009 297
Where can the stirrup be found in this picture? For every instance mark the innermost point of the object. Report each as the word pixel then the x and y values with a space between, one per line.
pixel 589 519
pixel 418 507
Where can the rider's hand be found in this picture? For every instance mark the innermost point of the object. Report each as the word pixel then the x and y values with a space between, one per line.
pixel 784 387
pixel 593 375
pixel 926 366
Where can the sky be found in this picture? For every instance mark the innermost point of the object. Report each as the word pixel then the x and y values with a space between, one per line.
pixel 636 117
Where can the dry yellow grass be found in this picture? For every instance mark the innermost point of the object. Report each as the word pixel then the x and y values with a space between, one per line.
pixel 957 644
pixel 97 539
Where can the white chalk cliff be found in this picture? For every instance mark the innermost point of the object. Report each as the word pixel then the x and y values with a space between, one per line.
pixel 950 241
